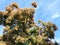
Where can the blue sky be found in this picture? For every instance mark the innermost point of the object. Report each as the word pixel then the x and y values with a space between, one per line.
pixel 47 10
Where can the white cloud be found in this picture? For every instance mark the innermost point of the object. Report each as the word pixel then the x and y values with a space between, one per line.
pixel 56 15
pixel 57 40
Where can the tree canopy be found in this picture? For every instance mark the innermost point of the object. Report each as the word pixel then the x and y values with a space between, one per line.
pixel 20 28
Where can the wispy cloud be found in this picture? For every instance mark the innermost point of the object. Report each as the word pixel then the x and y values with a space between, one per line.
pixel 50 6
pixel 56 15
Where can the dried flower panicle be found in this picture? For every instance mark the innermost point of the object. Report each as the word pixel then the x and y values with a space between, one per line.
pixel 1 13
pixel 34 4
pixel 7 27
pixel 20 39
pixel 16 27
pixel 9 9
pixel 14 5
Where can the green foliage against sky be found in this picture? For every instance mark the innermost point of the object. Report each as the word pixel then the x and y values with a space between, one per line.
pixel 20 28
